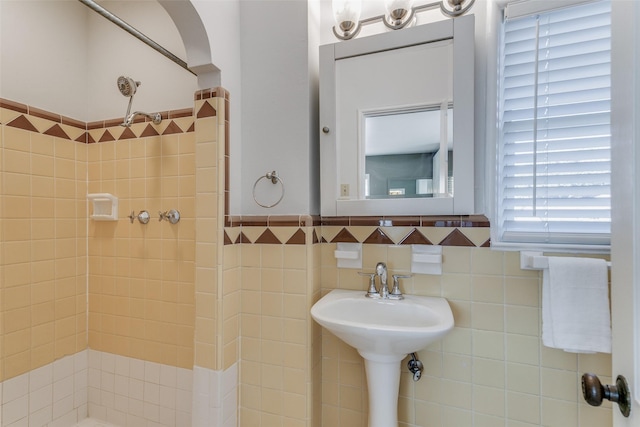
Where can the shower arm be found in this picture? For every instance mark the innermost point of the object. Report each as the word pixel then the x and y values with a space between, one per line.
pixel 155 117
pixel 126 116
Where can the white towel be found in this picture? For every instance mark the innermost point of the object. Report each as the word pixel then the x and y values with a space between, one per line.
pixel 575 305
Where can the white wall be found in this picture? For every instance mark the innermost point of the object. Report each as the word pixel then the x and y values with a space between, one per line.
pixel 114 52
pixel 43 52
pixel 62 57
pixel 222 22
pixel 277 113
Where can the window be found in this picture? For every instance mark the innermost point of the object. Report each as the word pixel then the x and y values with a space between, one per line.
pixel 554 157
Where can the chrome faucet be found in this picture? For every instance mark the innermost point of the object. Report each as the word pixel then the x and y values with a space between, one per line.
pixel 381 271
pixel 384 293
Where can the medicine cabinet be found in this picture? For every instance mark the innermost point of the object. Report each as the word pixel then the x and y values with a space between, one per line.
pixel 397 122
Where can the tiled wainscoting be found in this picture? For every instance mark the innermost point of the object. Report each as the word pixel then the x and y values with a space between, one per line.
pixel 54 395
pixel 120 390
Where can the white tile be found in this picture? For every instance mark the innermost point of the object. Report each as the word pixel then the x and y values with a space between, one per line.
pixel 183 400
pixel 40 418
pixel 121 403
pixel 63 368
pixel 136 407
pixel 135 421
pixel 66 420
pixel 15 410
pixel 81 379
pixel 230 404
pixel 41 398
pixel 107 399
pixel 83 411
pixel 116 417
pixel 168 397
pixel 136 389
pixel 122 365
pixel 201 380
pixel 152 393
pixel 80 397
pixel 168 375
pixel 94 376
pixel 81 361
pixel 93 395
pixel 184 379
pixel 121 385
pixel 151 412
pixel 62 406
pixel 136 369
pixel 24 422
pixel 97 411
pixel 168 416
pixel 94 359
pixel 215 414
pixel 107 381
pixel 15 388
pixel 152 372
pixel 40 377
pixel 183 418
pixel 108 363
pixel 63 388
pixel 230 379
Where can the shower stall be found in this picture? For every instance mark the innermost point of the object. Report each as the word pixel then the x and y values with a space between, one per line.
pixel 98 318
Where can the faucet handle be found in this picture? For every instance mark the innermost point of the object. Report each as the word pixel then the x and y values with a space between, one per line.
pixel 395 292
pixel 372 292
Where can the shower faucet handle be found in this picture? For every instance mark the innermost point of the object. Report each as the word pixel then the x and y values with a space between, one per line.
pixel 173 216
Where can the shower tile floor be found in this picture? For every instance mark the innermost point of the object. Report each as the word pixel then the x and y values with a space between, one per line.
pixel 89 422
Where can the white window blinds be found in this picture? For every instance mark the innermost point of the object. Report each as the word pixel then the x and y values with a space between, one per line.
pixel 554 158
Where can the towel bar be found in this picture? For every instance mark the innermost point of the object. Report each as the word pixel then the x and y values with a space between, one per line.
pixel 537 261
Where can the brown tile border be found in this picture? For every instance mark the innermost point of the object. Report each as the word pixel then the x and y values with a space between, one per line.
pixel 23 122
pixel 455 237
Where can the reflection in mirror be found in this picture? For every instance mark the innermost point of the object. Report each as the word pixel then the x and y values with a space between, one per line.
pixel 408 153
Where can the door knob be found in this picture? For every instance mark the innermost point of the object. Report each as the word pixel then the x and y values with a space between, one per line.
pixel 594 392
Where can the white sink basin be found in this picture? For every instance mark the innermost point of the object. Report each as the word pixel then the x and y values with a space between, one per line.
pixel 384 332
pixel 380 328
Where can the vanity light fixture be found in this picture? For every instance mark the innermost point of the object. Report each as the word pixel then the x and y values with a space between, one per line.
pixel 347 16
pixel 400 14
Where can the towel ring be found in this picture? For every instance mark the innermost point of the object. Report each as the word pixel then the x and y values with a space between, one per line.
pixel 274 178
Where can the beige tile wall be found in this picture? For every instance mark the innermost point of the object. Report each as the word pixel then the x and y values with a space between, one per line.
pixel 217 266
pixel 141 276
pixel 280 352
pixel 43 255
pixel 490 371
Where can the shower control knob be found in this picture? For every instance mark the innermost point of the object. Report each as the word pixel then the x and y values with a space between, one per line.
pixel 173 216
pixel 594 392
pixel 144 217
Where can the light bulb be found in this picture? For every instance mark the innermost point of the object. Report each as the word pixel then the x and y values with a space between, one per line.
pixel 398 11
pixel 347 14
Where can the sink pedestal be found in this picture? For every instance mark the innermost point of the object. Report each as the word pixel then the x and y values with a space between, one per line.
pixel 383 385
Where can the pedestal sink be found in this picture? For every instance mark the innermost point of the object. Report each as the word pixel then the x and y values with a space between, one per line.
pixel 384 332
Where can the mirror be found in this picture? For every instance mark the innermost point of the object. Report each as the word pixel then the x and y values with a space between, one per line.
pixel 396 109
pixel 408 154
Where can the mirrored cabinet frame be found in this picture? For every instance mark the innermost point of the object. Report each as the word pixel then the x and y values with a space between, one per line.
pixel 461 32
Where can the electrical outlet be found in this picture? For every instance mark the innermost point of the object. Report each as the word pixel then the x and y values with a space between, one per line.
pixel 344 190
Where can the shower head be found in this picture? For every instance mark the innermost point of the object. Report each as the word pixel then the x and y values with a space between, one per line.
pixel 127 86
